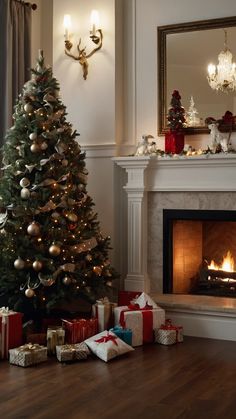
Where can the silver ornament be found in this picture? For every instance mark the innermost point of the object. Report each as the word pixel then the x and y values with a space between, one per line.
pixel 25 193
pixel 28 108
pixel 19 263
pixel 33 229
pixel 29 293
pixel 33 136
pixel 24 182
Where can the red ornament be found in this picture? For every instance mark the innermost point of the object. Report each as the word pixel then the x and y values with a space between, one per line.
pixel 72 226
pixel 174 142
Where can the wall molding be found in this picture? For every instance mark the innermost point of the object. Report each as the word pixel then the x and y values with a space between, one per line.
pixel 99 150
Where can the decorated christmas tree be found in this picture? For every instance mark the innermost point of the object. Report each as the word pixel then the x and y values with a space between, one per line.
pixel 174 139
pixel 52 248
pixel 176 112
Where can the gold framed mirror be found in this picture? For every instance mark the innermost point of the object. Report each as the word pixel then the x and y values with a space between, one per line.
pixel 184 52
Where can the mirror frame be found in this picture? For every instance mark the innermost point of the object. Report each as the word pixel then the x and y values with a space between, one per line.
pixel 162 32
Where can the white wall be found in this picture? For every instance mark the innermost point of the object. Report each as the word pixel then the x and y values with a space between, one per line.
pixel 42 24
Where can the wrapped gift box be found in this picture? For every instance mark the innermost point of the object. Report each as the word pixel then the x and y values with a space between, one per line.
pixel 28 355
pixel 124 334
pixel 77 330
pixel 55 336
pixel 106 345
pixel 10 330
pixel 142 322
pixel 168 334
pixel 103 310
pixel 73 352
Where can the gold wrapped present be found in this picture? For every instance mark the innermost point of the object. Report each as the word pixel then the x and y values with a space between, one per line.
pixel 27 355
pixel 73 352
pixel 55 336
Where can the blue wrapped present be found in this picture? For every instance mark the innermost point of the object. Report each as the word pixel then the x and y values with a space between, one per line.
pixel 124 334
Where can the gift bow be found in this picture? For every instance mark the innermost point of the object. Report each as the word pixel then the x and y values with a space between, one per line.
pixel 169 326
pixel 103 301
pixel 29 347
pixel 4 310
pixel 107 338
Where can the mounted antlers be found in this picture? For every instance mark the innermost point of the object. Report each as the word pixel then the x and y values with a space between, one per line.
pixel 82 57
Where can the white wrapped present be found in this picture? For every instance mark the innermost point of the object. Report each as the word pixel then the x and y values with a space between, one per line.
pixel 142 322
pixel 106 345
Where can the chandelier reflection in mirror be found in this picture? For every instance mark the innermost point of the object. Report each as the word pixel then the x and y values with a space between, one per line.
pixel 223 76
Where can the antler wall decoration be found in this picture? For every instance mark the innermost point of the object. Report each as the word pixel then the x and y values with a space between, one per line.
pixel 82 56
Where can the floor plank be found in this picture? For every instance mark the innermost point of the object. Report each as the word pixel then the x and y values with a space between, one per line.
pixel 190 380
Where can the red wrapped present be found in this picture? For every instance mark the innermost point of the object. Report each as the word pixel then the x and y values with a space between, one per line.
pixel 168 334
pixel 103 310
pixel 142 321
pixel 10 331
pixel 77 330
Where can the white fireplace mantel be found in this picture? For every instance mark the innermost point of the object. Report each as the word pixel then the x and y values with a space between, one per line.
pixel 213 173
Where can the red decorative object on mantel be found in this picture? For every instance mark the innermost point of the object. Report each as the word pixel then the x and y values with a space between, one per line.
pixel 174 139
pixel 174 142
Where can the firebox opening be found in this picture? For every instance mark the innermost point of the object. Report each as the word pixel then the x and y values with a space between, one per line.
pixel 199 252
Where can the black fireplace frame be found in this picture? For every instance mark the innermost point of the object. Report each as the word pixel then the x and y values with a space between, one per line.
pixel 171 215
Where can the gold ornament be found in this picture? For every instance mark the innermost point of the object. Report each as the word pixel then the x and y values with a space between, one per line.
pixel 72 217
pixel 80 187
pixel 33 136
pixel 97 270
pixel 44 146
pixel 19 263
pixel 29 293
pixel 54 250
pixel 28 107
pixel 35 148
pixel 33 229
pixel 109 283
pixel 64 162
pixel 37 265
pixel 56 215
pixel 66 280
pixel 24 182
pixel 25 193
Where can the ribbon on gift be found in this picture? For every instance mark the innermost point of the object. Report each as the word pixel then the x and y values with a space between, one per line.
pixel 4 314
pixel 169 326
pixel 29 347
pixel 147 320
pixel 107 338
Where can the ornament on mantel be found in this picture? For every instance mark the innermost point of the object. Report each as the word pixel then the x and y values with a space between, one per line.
pixel 192 119
pixel 143 148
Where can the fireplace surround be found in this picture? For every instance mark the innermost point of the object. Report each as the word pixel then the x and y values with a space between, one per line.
pixel 146 185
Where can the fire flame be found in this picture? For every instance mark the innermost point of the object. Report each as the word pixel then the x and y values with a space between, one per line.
pixel 227 264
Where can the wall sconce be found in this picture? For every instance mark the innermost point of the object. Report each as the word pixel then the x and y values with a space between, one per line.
pixel 96 36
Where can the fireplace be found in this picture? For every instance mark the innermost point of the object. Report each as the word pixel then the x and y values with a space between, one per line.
pixel 199 252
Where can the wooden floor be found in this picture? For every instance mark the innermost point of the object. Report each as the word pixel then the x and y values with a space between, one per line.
pixel 195 380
